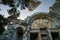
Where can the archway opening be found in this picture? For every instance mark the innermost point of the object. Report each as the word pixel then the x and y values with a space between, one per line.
pixel 33 36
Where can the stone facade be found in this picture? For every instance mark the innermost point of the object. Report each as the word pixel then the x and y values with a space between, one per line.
pixel 43 26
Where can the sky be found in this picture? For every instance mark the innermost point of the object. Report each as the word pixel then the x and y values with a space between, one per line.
pixel 43 7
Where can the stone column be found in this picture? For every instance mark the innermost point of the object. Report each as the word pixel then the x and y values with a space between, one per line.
pixel 39 35
pixel 28 33
pixel 50 36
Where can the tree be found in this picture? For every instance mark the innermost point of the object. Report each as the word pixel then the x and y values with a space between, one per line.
pixel 13 12
pixel 30 4
pixel 2 23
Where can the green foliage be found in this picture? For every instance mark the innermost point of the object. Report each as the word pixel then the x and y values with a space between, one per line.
pixel 24 23
pixel 8 2
pixel 2 23
pixel 30 4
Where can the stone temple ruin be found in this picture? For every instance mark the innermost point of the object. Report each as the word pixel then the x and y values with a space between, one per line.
pixel 39 26
pixel 43 26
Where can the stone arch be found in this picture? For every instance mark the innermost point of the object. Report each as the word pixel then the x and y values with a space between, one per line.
pixel 19 32
pixel 41 16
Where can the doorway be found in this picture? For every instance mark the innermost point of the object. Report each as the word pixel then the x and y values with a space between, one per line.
pixel 33 36
pixel 55 35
